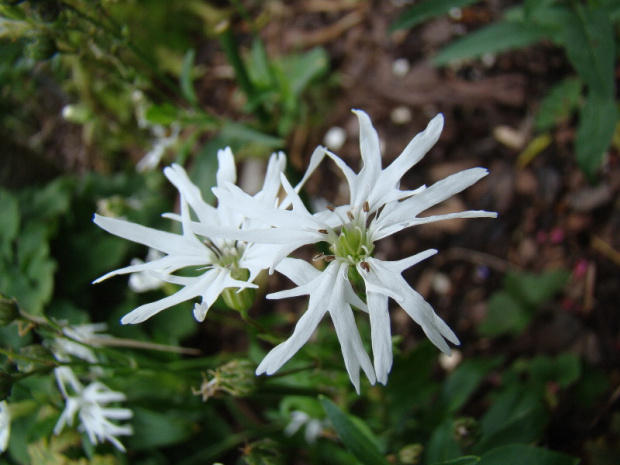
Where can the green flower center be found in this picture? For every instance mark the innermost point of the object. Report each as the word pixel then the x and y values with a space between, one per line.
pixel 353 243
pixel 227 256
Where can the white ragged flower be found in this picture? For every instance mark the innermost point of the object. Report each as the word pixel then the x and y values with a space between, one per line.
pixel 77 341
pixel 164 138
pixel 90 403
pixel 220 266
pixel 145 281
pixel 378 208
pixel 313 427
pixel 5 425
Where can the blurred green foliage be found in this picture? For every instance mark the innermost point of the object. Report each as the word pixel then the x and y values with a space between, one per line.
pixel 587 31
pixel 511 309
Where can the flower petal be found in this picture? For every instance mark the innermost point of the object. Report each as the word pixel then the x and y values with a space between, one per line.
pixel 370 150
pixel 226 171
pixel 163 241
pixel 384 278
pixel 413 153
pixel 188 190
pixel 380 334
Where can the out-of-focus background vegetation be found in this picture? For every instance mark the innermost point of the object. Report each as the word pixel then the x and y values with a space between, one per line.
pixel 97 96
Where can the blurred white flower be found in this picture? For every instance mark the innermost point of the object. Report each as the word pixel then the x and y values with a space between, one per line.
pixel 76 342
pixel 313 428
pixel 378 208
pixel 164 138
pixel 144 281
pixel 90 404
pixel 218 264
pixel 5 425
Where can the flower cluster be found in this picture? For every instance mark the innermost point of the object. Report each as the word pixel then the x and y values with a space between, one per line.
pixel 88 402
pixel 246 234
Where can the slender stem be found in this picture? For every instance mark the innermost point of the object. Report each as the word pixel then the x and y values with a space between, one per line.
pixel 132 343
pixel 49 362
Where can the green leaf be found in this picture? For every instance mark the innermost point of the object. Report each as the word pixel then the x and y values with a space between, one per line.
pixel 565 369
pixel 243 133
pixel 517 454
pixel 411 383
pixel 533 7
pixel 164 114
pixel 48 203
pixel 353 438
pixel 186 80
pixel 442 445
pixel 559 104
pixel 505 315
pixel 467 460
pixel 157 429
pixel 535 288
pixel 511 404
pixel 9 227
pixel 590 47
pixel 525 428
pixel 462 383
pixel 424 11
pixel 259 68
pixel 29 275
pixel 597 124
pixel 494 38
pixel 300 70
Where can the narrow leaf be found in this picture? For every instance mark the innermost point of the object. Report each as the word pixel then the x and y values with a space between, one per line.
pixel 590 46
pixel 597 124
pixel 352 437
pixel 494 38
pixel 429 9
pixel 517 454
pixel 466 460
pixel 559 103
pixel 187 85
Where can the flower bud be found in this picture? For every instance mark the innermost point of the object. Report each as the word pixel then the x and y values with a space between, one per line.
pixel 235 378
pixel 6 383
pixel 36 358
pixel 9 310
pixel 240 300
pixel 411 454
pixel 466 431
pixel 263 451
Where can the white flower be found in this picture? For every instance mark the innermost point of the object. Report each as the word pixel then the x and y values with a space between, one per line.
pixel 145 281
pixel 90 403
pixel 5 425
pixel 313 426
pixel 76 341
pixel 219 264
pixel 377 209
pixel 165 137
